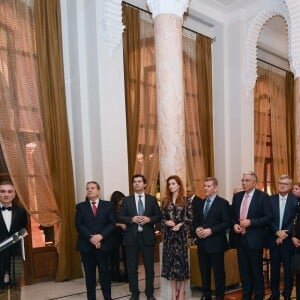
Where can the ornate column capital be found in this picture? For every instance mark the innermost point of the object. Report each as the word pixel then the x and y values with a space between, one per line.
pixel 112 26
pixel 174 7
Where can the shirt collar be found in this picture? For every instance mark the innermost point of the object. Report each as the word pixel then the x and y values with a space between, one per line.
pixel 97 201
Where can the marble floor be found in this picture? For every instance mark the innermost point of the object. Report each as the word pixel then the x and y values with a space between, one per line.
pixel 75 289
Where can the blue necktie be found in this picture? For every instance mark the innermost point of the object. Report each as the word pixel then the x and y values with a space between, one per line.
pixel 140 206
pixel 140 212
pixel 207 207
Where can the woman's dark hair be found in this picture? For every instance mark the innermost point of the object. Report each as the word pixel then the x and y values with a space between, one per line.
pixel 115 198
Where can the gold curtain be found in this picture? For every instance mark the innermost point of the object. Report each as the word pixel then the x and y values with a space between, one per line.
pixel 261 126
pixel 290 125
pixel 52 90
pixel 205 107
pixel 132 67
pixel 273 97
pixel 140 87
pixel 21 127
pixel 198 109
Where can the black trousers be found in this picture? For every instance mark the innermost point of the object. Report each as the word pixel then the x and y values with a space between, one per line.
pixel 91 261
pixel 215 262
pixel 251 271
pixel 133 252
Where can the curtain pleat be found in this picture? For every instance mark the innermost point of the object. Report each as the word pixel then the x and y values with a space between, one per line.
pixel 52 89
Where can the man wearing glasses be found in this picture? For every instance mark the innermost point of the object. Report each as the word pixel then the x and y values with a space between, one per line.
pixel 283 206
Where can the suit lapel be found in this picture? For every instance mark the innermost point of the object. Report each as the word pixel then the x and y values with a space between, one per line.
pixel 133 205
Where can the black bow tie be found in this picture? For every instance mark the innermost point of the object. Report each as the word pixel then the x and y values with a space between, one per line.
pixel 8 208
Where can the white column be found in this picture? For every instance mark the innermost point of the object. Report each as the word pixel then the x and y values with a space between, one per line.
pixel 167 15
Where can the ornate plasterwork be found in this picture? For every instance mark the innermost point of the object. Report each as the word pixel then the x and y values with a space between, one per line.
pixel 294 35
pixel 175 7
pixel 252 39
pixel 112 26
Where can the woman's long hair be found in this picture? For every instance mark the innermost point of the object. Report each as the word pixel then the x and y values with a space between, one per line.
pixel 168 197
pixel 115 198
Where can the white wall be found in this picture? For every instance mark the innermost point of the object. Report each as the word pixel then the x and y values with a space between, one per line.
pixel 95 100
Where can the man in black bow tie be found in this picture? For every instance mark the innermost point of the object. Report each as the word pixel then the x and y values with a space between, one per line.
pixel 12 219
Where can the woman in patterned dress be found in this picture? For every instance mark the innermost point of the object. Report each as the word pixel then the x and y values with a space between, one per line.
pixel 175 265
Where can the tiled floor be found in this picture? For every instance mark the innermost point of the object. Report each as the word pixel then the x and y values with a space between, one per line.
pixel 75 290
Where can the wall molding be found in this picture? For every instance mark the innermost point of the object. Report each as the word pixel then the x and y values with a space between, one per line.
pixel 111 23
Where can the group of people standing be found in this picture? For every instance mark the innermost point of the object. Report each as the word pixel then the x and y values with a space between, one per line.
pixel 254 221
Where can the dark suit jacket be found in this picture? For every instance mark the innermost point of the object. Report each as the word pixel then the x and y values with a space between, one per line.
pixel 129 210
pixel 259 214
pixel 18 221
pixel 192 207
pixel 218 219
pixel 87 225
pixel 287 221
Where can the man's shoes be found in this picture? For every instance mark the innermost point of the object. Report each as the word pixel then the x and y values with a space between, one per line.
pixel 151 298
pixel 273 298
pixel 205 298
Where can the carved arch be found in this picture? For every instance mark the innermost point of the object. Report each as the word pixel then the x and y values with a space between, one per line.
pixel 253 35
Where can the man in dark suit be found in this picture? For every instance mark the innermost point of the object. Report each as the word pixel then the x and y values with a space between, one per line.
pixel 140 212
pixel 250 215
pixel 192 201
pixel 211 219
pixel 12 219
pixel 95 222
pixel 283 207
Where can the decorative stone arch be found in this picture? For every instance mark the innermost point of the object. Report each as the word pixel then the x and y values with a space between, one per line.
pixel 294 35
pixel 253 35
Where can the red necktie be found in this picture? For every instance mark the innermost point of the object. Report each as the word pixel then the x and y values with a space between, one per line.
pixel 94 207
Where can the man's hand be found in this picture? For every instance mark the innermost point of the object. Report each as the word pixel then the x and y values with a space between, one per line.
pixel 203 233
pixel 96 239
pixel 238 229
pixel 245 223
pixel 296 242
pixel 141 220
pixel 282 234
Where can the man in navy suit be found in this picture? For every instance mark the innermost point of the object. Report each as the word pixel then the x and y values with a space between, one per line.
pixel 95 222
pixel 211 218
pixel 251 214
pixel 140 212
pixel 283 207
pixel 12 219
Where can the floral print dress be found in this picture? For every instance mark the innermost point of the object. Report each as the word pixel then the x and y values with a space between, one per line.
pixel 175 265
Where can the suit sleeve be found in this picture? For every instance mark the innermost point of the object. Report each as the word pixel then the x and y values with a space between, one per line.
pixel 225 218
pixel 156 215
pixel 110 225
pixel 266 216
pixel 80 224
pixel 125 216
